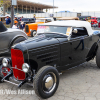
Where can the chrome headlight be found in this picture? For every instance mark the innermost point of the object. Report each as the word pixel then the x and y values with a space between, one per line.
pixel 5 62
pixel 25 67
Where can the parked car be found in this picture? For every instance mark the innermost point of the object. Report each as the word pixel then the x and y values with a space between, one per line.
pixel 2 18
pixel 94 21
pixel 98 21
pixel 85 18
pixel 9 37
pixel 67 18
pixel 28 20
pixel 31 29
pixel 58 46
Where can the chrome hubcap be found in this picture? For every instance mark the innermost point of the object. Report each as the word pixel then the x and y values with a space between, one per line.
pixel 34 33
pixel 49 82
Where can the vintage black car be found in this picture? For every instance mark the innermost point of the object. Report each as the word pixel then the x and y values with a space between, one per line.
pixel 9 37
pixel 28 20
pixel 58 46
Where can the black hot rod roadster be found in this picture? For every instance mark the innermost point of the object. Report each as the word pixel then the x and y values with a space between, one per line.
pixel 57 46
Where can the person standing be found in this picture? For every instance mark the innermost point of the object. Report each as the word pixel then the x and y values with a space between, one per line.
pixel 34 18
pixel 15 26
pixel 15 20
pixel 8 21
pixel 21 18
pixel 22 26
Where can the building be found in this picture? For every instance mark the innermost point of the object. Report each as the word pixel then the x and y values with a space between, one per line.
pixel 25 7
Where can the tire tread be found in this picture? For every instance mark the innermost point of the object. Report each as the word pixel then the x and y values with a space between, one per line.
pixel 36 79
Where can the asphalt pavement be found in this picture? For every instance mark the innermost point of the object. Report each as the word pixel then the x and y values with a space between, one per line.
pixel 80 83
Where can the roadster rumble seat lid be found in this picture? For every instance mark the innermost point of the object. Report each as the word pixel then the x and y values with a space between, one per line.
pixel 72 23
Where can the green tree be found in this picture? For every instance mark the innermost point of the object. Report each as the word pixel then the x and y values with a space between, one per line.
pixel 5 4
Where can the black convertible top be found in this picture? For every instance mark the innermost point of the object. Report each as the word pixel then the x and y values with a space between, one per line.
pixel 2 27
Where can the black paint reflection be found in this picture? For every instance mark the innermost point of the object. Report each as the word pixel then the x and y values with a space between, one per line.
pixel 81 42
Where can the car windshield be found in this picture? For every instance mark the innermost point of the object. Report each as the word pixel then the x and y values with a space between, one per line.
pixel 31 19
pixel 92 18
pixel 54 29
pixel 98 18
pixel 85 18
pixel 25 19
pixel 40 20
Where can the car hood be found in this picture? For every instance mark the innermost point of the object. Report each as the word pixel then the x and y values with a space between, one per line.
pixel 93 20
pixel 35 43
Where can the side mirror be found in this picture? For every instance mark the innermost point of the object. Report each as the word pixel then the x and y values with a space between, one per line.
pixel 75 31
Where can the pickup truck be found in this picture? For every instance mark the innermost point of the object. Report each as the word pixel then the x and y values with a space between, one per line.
pixel 94 21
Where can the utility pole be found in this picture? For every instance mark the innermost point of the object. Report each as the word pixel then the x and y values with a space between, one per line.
pixel 12 15
pixel 53 6
pixel 13 3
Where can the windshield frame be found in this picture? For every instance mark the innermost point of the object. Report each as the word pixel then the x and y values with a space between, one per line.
pixel 57 26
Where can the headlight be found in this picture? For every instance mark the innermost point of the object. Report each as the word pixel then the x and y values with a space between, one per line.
pixel 5 62
pixel 25 67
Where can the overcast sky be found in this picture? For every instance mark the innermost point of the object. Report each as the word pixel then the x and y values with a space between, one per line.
pixel 72 5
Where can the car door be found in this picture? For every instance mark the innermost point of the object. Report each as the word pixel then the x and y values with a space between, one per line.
pixel 66 50
pixel 79 46
pixel 65 53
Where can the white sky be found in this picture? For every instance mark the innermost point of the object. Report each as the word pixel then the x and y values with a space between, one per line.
pixel 72 5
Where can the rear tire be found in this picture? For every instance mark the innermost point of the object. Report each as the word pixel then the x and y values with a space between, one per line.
pixel 0 69
pixel 0 79
pixel 98 57
pixel 46 82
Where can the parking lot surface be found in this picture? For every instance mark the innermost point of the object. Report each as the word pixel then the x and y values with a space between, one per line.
pixel 80 83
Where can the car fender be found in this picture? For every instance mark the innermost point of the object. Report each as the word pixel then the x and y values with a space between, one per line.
pixel 14 38
pixel 92 52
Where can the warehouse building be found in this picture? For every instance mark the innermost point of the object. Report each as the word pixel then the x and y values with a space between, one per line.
pixel 25 7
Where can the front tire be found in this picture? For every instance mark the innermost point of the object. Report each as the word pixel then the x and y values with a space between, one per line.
pixel 46 82
pixel 33 33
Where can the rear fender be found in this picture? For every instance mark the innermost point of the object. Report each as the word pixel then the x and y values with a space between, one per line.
pixel 92 52
pixel 11 42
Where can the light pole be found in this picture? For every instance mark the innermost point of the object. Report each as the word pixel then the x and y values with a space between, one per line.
pixel 12 15
pixel 53 6
pixel 13 3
